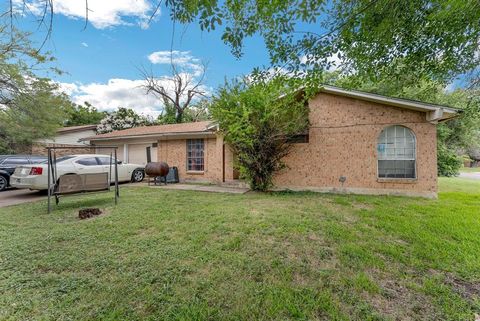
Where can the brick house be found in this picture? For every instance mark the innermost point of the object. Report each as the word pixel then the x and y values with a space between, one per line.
pixel 357 142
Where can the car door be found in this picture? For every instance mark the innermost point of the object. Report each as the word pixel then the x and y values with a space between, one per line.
pixel 123 174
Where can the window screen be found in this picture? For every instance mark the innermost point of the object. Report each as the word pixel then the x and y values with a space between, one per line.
pixel 396 153
pixel 195 159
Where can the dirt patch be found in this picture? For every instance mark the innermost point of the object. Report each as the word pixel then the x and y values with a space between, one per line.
pixel 362 206
pixel 468 290
pixel 85 213
pixel 399 299
pixel 402 303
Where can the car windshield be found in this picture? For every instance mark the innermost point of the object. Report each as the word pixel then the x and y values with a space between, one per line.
pixel 59 159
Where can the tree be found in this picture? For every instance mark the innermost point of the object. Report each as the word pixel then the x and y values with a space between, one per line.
pixel 122 118
pixel 83 115
pixel 197 112
pixel 258 120
pixel 31 107
pixel 177 92
pixel 438 38
pixel 32 115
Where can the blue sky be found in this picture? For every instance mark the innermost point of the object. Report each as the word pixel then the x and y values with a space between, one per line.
pixel 101 62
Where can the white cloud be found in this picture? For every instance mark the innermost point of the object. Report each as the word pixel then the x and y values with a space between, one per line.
pixel 101 13
pixel 334 61
pixel 84 44
pixel 118 93
pixel 68 88
pixel 113 94
pixel 178 57
pixel 183 59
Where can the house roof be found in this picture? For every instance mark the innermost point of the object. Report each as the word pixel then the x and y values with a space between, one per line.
pixel 434 112
pixel 159 130
pixel 75 128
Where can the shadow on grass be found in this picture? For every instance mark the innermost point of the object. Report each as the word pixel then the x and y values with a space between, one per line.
pixel 78 201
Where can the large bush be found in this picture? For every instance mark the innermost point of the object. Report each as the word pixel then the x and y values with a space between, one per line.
pixel 449 163
pixel 258 121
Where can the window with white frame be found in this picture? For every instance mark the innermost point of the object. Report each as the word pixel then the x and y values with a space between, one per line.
pixel 195 155
pixel 396 153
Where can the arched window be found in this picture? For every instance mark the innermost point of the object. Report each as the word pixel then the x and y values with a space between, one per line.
pixel 396 153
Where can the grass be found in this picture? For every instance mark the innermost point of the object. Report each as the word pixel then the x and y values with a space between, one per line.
pixel 180 255
pixel 470 169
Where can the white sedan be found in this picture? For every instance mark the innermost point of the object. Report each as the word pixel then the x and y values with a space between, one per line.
pixel 35 177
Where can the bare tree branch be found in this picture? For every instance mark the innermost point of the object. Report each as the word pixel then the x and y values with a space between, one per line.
pixel 179 90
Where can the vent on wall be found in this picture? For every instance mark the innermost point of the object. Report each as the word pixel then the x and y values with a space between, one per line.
pixel 154 144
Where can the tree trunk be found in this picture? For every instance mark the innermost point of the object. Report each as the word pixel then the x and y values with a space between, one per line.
pixel 179 117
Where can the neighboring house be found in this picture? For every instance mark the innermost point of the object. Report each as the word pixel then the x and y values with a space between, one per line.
pixel 72 136
pixel 357 142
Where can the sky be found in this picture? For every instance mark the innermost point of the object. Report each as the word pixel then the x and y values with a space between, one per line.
pixel 103 62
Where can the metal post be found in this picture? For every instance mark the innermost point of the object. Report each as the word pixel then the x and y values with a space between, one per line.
pixel 117 194
pixel 110 171
pixel 49 157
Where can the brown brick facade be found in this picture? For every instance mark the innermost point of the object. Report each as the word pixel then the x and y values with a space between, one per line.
pixel 174 153
pixel 342 142
pixel 41 149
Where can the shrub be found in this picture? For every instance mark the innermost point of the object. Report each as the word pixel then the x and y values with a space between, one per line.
pixel 258 120
pixel 449 163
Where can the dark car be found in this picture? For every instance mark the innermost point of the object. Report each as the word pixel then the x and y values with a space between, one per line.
pixel 9 162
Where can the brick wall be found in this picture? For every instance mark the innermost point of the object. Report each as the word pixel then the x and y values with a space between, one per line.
pixel 41 149
pixel 174 153
pixel 342 142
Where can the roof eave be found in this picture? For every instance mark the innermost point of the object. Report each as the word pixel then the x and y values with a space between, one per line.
pixel 72 130
pixel 159 135
pixel 445 111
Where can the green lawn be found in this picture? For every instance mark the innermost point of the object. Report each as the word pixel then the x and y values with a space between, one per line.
pixel 179 255
pixel 470 169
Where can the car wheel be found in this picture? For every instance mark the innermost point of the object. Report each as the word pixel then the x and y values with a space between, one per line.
pixel 3 183
pixel 138 176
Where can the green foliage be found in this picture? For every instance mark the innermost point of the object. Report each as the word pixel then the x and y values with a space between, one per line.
pixel 168 115
pixel 449 163
pixel 122 118
pixel 32 115
pixel 436 39
pixel 31 107
pixel 258 125
pixel 196 112
pixel 83 115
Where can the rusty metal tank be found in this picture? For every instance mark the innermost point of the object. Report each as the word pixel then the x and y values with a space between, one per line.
pixel 157 169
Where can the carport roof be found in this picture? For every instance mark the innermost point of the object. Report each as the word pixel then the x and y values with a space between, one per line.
pixel 159 130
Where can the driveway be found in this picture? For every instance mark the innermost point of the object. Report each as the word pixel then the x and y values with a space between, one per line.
pixel 474 175
pixel 19 196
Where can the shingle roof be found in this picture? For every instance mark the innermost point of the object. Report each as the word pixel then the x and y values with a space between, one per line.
pixel 196 127
pixel 75 128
